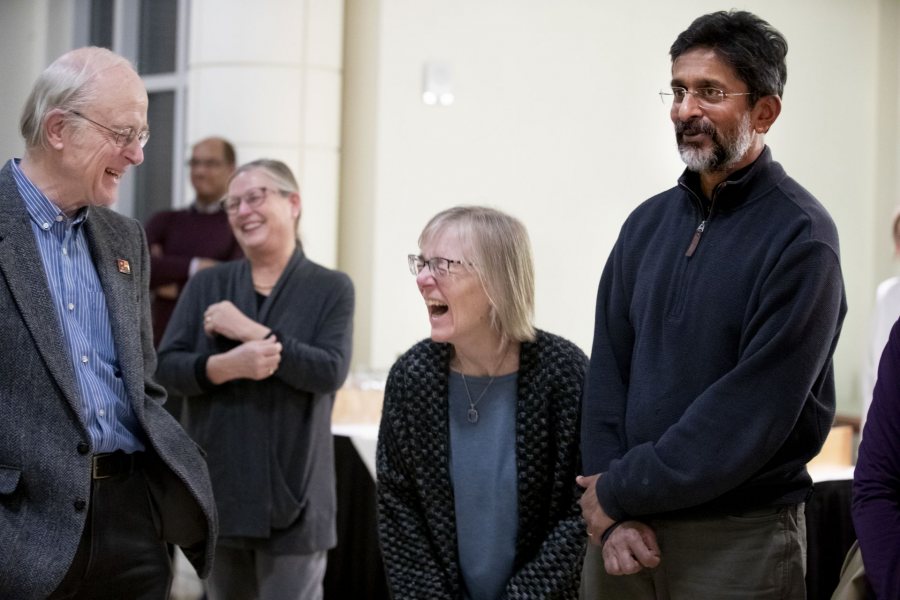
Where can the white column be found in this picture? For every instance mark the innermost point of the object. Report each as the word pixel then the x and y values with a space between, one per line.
pixel 267 76
pixel 31 37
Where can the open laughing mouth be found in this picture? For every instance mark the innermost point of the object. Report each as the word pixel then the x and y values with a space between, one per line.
pixel 436 308
pixel 114 174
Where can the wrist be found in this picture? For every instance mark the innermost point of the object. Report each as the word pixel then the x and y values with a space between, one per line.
pixel 608 532
pixel 219 369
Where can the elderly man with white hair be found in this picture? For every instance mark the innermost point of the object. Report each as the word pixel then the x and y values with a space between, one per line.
pixel 95 475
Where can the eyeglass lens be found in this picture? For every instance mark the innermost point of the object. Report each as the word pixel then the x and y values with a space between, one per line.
pixel 252 199
pixel 438 266
pixel 206 163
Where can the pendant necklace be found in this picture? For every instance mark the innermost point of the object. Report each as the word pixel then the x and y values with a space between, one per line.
pixel 472 413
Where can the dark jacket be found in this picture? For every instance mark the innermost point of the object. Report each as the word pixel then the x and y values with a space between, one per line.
pixel 416 519
pixel 268 443
pixel 711 382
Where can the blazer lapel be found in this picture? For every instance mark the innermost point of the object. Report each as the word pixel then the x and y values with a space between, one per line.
pixel 23 269
pixel 117 265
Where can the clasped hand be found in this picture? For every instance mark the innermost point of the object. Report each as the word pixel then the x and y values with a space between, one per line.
pixel 258 355
pixel 225 319
pixel 630 547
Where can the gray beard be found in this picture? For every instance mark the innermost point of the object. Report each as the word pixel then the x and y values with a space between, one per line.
pixel 720 157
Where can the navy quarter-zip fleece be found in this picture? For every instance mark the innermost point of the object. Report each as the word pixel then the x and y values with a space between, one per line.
pixel 711 382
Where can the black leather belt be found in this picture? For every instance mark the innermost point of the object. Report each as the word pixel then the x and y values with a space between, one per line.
pixel 113 464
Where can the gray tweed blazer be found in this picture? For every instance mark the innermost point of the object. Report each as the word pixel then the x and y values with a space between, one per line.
pixel 42 473
pixel 416 519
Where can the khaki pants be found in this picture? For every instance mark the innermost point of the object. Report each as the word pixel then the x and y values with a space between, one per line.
pixel 759 554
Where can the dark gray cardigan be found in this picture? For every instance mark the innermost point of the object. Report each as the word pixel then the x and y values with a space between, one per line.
pixel 416 519
pixel 268 442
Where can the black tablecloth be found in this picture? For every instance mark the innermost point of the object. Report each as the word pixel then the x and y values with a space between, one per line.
pixel 354 567
pixel 829 534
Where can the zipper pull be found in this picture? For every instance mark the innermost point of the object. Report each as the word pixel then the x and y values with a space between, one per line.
pixel 696 239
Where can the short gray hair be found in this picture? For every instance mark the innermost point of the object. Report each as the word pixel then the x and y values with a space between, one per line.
pixel 277 171
pixel 66 84
pixel 501 257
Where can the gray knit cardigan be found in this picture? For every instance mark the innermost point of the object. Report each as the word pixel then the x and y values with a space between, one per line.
pixel 416 521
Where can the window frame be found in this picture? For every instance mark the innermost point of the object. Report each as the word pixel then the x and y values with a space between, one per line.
pixel 125 36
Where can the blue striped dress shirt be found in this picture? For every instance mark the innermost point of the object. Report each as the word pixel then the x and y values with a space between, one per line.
pixel 81 311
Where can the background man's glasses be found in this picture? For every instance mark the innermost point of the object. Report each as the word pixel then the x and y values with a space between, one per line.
pixel 439 266
pixel 206 163
pixel 705 96
pixel 121 137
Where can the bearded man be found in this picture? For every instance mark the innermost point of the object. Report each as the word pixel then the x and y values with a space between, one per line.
pixel 711 381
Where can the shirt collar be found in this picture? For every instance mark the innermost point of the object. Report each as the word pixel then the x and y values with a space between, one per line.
pixel 207 209
pixel 729 191
pixel 41 210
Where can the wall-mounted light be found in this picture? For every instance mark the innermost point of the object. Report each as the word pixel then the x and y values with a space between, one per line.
pixel 437 84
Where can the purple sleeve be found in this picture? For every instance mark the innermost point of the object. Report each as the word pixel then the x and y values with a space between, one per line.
pixel 876 481
pixel 166 268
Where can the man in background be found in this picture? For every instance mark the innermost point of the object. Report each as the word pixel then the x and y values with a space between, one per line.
pixel 95 475
pixel 711 382
pixel 183 242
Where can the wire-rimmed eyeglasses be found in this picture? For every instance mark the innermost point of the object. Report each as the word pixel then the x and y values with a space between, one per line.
pixel 121 137
pixel 438 265
pixel 252 199
pixel 705 96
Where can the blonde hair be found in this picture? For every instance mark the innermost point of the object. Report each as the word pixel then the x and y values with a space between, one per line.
pixel 498 250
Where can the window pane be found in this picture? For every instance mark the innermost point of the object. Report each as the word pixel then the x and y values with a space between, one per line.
pixel 101 23
pixel 153 179
pixel 159 29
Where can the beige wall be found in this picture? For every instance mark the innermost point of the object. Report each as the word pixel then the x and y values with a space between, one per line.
pixel 557 121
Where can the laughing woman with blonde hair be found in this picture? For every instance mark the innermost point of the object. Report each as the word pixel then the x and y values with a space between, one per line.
pixel 478 445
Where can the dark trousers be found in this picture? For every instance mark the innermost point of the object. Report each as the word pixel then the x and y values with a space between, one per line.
pixel 120 554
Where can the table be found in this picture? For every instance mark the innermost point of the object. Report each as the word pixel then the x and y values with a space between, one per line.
pixel 829 534
pixel 355 569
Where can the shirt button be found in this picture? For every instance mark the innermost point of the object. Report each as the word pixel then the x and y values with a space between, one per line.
pixel 79 504
pixel 45 226
pixel 82 448
pixel 59 218
pixel 65 251
pixel 71 306
pixel 84 359
pixel 101 412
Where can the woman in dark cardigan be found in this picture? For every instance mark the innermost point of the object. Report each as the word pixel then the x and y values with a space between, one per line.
pixel 478 444
pixel 259 347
